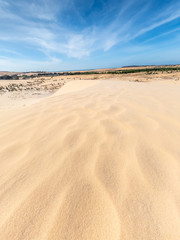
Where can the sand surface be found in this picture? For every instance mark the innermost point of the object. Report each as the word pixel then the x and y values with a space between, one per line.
pixel 98 160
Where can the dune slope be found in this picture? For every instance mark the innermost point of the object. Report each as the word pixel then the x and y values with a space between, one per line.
pixel 101 162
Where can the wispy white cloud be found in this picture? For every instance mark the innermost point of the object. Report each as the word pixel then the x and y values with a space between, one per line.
pixel 39 25
pixel 162 34
pixel 7 63
pixel 157 24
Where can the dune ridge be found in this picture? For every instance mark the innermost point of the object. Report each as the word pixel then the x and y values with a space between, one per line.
pixel 97 160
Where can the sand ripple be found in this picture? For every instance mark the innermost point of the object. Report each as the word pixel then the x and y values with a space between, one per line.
pixel 96 161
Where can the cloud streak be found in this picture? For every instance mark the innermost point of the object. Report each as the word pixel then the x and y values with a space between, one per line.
pixel 64 30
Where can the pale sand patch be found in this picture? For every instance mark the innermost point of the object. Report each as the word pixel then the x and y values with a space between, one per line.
pixel 10 100
pixel 76 86
pixel 98 163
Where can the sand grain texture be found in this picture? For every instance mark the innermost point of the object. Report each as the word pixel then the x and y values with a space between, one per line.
pixel 98 160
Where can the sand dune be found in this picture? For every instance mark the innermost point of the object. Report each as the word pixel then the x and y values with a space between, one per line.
pixel 98 160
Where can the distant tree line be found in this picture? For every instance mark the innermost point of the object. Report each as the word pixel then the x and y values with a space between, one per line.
pixel 122 71
pixel 147 70
pixel 9 77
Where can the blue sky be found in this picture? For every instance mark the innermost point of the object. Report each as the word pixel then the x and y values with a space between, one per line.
pixel 57 35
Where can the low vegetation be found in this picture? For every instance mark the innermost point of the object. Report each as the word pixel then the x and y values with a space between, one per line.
pixel 9 77
pixel 152 70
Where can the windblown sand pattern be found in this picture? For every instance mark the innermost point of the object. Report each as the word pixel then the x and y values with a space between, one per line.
pixel 99 160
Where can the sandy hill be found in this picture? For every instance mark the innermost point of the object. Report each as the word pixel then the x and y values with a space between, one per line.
pixel 99 160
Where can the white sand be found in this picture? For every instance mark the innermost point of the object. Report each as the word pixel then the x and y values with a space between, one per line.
pixel 98 163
